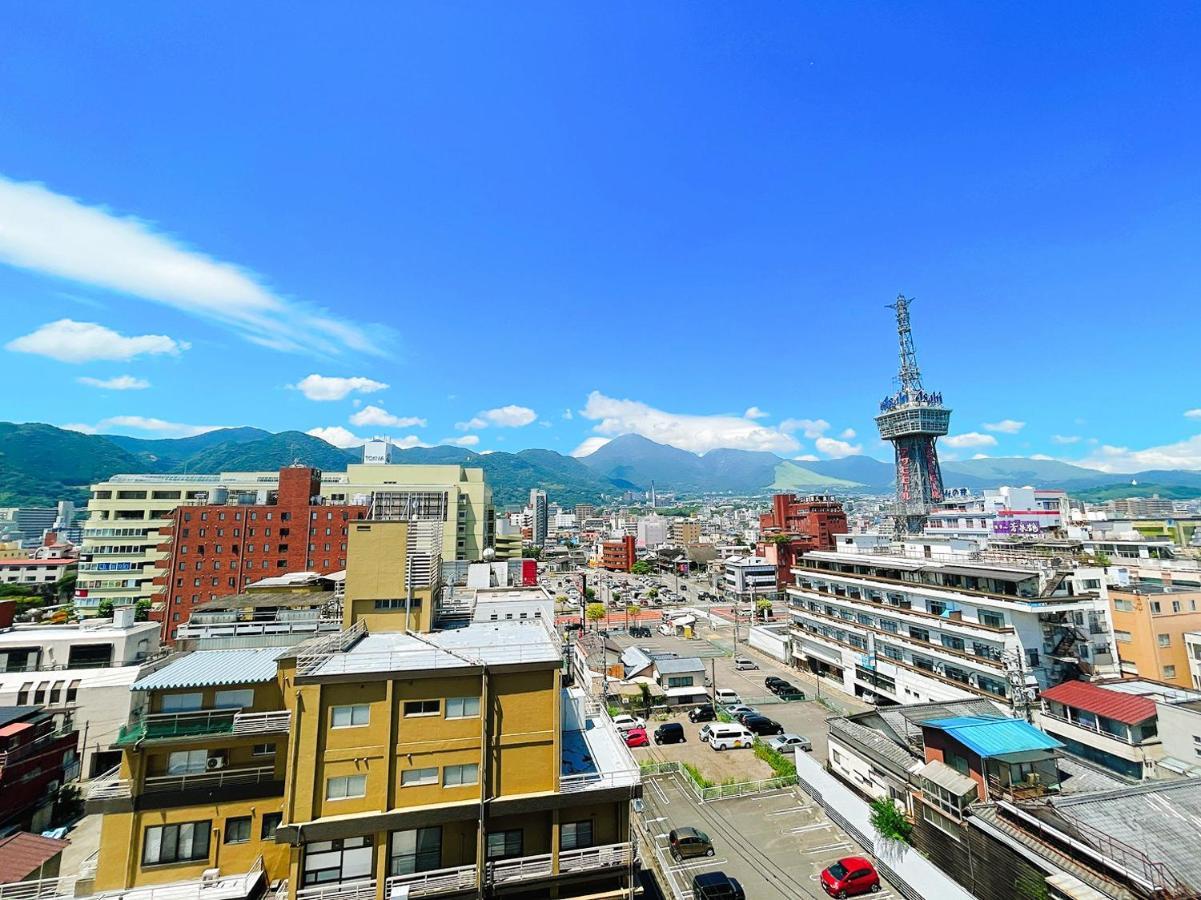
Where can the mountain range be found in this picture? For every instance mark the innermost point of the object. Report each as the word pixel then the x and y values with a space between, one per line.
pixel 40 464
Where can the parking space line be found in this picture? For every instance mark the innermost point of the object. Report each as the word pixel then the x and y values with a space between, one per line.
pixel 817 826
pixel 699 864
pixel 828 848
pixel 791 810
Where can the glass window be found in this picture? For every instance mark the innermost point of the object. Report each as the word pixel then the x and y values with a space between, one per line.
pixel 415 850
pixel 1169 672
pixel 412 777
pixel 271 821
pixel 181 702
pixel 1165 640
pixel 237 831
pixel 350 716
pixel 422 707
pixel 456 776
pixel 185 762
pixel 504 844
pixel 263 750
pixel 342 787
pixel 462 707
pixel 992 619
pixel 575 835
pixel 338 860
pixel 176 843
pixel 240 699
pixel 1122 637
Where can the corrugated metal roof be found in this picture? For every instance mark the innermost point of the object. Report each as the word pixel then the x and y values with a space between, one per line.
pixel 23 853
pixel 1117 705
pixel 946 777
pixel 988 737
pixel 207 668
pixel 678 666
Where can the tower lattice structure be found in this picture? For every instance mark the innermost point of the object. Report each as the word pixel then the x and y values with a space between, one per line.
pixel 913 419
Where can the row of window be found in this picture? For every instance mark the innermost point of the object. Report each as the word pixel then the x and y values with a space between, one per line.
pixel 354 715
pixel 349 787
pixel 189 841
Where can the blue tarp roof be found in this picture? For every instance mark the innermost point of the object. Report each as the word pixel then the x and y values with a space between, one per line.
pixel 987 736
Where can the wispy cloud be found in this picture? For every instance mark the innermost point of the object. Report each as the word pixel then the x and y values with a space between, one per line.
pixel 970 439
pixel 1005 426
pixel 836 449
pixel 589 446
pixel 754 412
pixel 810 428
pixel 466 440
pixel 158 427
pixel 1193 413
pixel 511 416
pixel 1184 454
pixel 1065 438
pixel 338 436
pixel 376 415
pixel 117 383
pixel 56 235
pixel 330 387
pixel 79 342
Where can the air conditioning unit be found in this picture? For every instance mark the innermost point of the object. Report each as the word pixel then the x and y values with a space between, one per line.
pixel 1033 779
pixel 214 762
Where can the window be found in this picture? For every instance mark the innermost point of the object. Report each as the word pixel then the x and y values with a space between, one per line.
pixel 457 776
pixel 344 787
pixel 414 777
pixel 176 843
pixel 1164 640
pixel 504 844
pixel 575 835
pixel 415 850
pixel 237 831
pixel 1169 672
pixel 422 707
pixel 395 603
pixel 1155 607
pixel 271 821
pixel 181 702
pixel 186 762
pixel 463 707
pixel 338 860
pixel 350 716
pixel 1122 637
pixel 919 634
pixel 234 699
pixel 992 619
pixel 263 750
pixel 1123 605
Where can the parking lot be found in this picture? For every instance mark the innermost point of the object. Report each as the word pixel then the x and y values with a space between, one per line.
pixel 775 844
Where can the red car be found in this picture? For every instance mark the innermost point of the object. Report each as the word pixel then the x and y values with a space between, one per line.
pixel 636 737
pixel 849 876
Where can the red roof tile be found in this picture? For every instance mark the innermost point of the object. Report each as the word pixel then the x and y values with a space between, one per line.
pixel 22 853
pixel 1129 709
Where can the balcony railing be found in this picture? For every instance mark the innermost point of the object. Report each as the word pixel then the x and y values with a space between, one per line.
pixel 216 779
pixel 109 786
pixel 222 887
pixel 434 882
pixel 587 859
pixel 363 889
pixel 168 726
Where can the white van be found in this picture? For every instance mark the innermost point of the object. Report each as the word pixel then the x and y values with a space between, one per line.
pixel 726 697
pixel 730 736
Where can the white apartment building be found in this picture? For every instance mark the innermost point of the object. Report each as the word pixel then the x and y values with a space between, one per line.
pixel 652 531
pixel 35 571
pixel 929 621
pixel 82 672
pixel 749 577
pixel 1001 513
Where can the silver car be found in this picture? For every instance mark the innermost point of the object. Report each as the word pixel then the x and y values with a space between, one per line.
pixel 788 743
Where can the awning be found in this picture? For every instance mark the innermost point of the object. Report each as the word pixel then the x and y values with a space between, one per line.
pixel 1023 756
pixel 686 691
pixel 945 777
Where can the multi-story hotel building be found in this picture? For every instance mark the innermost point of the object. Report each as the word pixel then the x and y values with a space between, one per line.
pixel 919 622
pixel 121 555
pixel 375 762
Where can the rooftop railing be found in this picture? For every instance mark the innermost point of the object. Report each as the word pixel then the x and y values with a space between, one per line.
pixel 173 725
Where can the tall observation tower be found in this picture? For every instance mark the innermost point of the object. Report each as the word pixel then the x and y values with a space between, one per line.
pixel 913 419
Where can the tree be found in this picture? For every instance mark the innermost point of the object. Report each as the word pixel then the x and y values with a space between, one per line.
pixel 595 612
pixel 531 553
pixel 646 698
pixel 762 607
pixel 141 611
pixel 65 586
pixel 642 567
pixel 590 594
pixel 889 821
pixel 104 609
pixel 653 593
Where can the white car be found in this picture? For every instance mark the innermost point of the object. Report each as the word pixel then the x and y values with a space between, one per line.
pixel 726 697
pixel 744 663
pixel 789 743
pixel 625 722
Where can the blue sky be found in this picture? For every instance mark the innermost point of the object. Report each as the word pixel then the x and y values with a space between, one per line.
pixel 545 224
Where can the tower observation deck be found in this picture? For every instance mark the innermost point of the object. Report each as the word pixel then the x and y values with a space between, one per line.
pixel 913 419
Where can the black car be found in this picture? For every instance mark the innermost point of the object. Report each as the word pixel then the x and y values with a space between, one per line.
pixel 762 725
pixel 702 713
pixel 716 886
pixel 640 631
pixel 670 733
pixel 772 681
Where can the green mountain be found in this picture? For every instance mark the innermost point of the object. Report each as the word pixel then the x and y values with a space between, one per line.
pixel 268 454
pixel 167 454
pixel 791 477
pixel 41 464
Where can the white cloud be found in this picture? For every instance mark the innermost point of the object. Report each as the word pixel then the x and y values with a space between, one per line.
pixel 970 439
pixel 160 427
pixel 811 428
pixel 56 235
pixel 377 415
pixel 1065 438
pixel 1041 456
pixel 754 412
pixel 78 342
pixel 338 436
pixel 981 456
pixel 847 434
pixel 567 415
pixel 408 442
pixel 467 440
pixel 328 387
pixel 807 457
pixel 589 446
pixel 510 416
pixel 1193 413
pixel 1005 426
pixel 117 383
pixel 1184 454
pixel 836 449
pixel 688 432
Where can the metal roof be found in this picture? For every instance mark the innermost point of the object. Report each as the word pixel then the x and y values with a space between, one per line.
pixel 1117 705
pixel 209 668
pixel 23 854
pixel 988 737
pixel 946 777
pixel 679 666
pixel 862 737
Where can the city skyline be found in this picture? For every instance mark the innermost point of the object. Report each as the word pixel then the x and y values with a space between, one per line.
pixel 334 274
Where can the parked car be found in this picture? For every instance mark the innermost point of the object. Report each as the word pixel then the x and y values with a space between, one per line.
pixel 739 710
pixel 703 713
pixel 850 876
pixel 726 697
pixel 771 681
pixel 728 736
pixel 762 725
pixel 639 631
pixel 688 843
pixel 716 886
pixel 790 743
pixel 787 691
pixel 572 626
pixel 625 722
pixel 636 737
pixel 744 663
pixel 670 733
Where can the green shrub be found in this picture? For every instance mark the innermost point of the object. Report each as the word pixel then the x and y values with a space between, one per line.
pixel 889 821
pixel 695 774
pixel 780 764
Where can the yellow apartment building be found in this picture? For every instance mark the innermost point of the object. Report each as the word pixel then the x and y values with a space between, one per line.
pixel 1149 624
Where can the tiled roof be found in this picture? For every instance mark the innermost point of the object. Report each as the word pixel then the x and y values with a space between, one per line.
pixel 987 737
pixel 208 668
pixel 23 853
pixel 1117 705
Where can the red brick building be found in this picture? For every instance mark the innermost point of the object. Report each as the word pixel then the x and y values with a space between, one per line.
pixel 618 556
pixel 34 755
pixel 794 527
pixel 217 549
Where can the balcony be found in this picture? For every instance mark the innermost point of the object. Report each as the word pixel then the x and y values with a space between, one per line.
pixel 218 887
pixel 364 889
pixel 221 778
pixel 432 883
pixel 109 786
pixel 200 723
pixel 571 862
